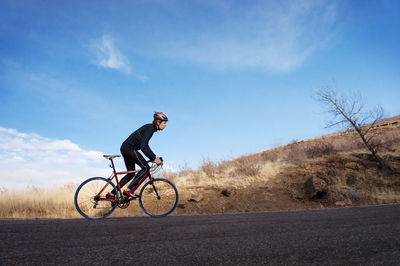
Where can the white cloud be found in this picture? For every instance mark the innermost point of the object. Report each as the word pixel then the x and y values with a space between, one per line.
pixel 108 56
pixel 30 159
pixel 268 35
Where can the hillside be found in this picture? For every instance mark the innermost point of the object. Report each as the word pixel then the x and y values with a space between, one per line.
pixel 329 171
pixel 332 170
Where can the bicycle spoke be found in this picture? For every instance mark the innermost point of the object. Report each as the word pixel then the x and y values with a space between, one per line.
pixel 164 203
pixel 86 202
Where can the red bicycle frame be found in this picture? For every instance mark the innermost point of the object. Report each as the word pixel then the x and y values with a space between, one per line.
pixel 115 175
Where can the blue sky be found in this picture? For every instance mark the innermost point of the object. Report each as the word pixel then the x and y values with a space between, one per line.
pixel 235 77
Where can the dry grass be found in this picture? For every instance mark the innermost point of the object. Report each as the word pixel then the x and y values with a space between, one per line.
pixel 56 202
pixel 270 180
pixel 34 202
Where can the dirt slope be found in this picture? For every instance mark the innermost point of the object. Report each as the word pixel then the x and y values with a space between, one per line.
pixel 329 171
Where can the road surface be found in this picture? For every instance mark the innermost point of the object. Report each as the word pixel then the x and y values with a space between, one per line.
pixel 341 236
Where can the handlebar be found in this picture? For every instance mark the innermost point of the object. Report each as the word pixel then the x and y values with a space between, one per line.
pixel 161 158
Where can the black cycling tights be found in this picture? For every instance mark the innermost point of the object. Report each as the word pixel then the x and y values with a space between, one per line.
pixel 132 157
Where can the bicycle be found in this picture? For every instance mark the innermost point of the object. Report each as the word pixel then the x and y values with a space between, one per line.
pixel 157 198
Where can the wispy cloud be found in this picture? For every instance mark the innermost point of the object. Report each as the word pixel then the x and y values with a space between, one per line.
pixel 267 35
pixel 108 56
pixel 30 159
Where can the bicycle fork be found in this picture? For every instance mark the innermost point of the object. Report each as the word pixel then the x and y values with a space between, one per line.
pixel 154 187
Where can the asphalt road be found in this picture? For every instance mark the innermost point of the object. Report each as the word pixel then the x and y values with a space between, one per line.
pixel 342 236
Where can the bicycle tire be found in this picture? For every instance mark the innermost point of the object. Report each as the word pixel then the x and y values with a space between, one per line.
pixel 85 202
pixel 161 204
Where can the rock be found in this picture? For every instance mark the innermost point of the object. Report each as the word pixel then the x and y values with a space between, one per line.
pixel 344 202
pixel 349 194
pixel 226 192
pixel 297 195
pixel 194 197
pixel 352 165
pixel 351 179
pixel 181 206
pixel 315 187
pixel 340 203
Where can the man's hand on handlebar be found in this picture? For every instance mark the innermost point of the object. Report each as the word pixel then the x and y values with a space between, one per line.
pixel 158 160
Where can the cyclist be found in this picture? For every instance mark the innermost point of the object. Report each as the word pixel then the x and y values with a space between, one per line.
pixel 139 140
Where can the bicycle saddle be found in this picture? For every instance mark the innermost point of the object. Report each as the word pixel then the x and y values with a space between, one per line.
pixel 110 156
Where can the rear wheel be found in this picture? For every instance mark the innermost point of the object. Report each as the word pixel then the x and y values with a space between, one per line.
pixel 92 204
pixel 158 199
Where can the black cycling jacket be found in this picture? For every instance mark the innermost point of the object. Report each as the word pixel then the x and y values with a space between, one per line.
pixel 139 140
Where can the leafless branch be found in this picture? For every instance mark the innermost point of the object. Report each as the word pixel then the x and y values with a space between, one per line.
pixel 348 112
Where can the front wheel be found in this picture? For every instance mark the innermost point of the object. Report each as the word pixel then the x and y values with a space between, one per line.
pixel 158 198
pixel 90 198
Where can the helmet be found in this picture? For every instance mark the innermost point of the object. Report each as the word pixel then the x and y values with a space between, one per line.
pixel 160 116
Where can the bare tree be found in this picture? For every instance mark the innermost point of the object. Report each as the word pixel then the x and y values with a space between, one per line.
pixel 349 112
